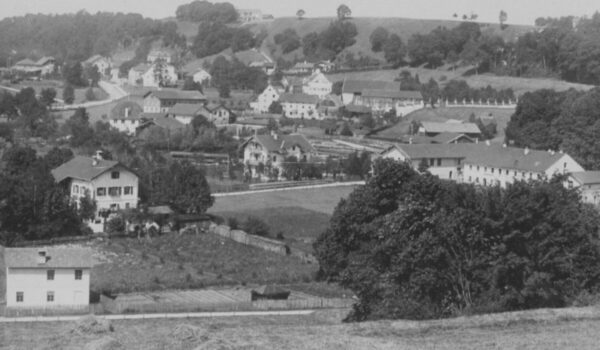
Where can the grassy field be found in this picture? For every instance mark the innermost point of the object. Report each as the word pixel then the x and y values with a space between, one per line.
pixel 321 200
pixel 58 86
pixel 299 226
pixel 97 113
pixel 519 85
pixel 502 117
pixel 189 261
pixel 321 330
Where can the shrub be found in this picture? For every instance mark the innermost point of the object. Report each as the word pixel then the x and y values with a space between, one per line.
pixel 256 226
pixel 233 223
pixel 115 225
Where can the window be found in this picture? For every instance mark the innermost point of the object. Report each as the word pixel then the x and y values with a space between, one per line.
pixel 78 274
pixel 75 189
pixel 128 189
pixel 484 182
pixel 115 175
pixel 450 175
pixel 50 275
pixel 478 168
pixel 126 205
pixel 470 167
pixel 515 174
pixel 507 171
pixel 439 161
pixel 20 297
pixel 101 191
pixel 485 169
pixel 492 170
pixel 50 297
pixel 477 180
pixel 470 178
pixel 274 158
pixel 431 162
pixel 114 191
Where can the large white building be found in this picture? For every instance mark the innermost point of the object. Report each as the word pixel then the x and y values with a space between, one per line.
pixel 266 98
pixel 162 101
pixel 42 278
pixel 381 96
pixel 482 163
pixel 300 106
pixel 148 75
pixel 317 84
pixel 126 117
pixel 112 185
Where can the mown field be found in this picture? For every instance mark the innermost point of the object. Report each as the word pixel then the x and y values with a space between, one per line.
pixel 321 330
pixel 519 85
pixel 189 261
pixel 502 117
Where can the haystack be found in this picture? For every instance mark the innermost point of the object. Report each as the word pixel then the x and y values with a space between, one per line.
pixel 92 325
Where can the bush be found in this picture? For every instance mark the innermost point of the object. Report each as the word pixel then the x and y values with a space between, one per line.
pixel 233 223
pixel 115 225
pixel 256 226
pixel 90 95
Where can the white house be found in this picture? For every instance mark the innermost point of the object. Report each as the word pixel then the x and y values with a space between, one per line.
pixel 104 64
pixel 272 150
pixel 202 77
pixel 148 75
pixel 588 184
pixel 317 84
pixel 186 112
pixel 165 55
pixel 219 114
pixel 42 278
pixel 43 66
pixel 126 117
pixel 266 98
pixel 483 163
pixel 381 96
pixel 161 101
pixel 112 185
pixel 250 15
pixel 300 106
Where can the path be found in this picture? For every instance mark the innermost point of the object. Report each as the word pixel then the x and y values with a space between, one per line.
pixel 291 188
pixel 159 316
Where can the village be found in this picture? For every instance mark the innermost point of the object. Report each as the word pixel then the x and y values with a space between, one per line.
pixel 279 175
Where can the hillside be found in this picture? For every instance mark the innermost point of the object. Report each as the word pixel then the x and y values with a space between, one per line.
pixel 404 27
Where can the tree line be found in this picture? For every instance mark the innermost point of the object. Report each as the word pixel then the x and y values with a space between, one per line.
pixel 414 246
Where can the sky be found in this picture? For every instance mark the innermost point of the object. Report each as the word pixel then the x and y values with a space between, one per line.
pixel 519 11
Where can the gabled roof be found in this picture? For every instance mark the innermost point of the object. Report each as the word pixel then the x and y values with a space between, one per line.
pixel 57 257
pixel 271 144
pixel 304 65
pixel 83 168
pixel 463 128
pixel 587 177
pixel 25 62
pixel 450 137
pixel 131 108
pixel 359 86
pixel 177 95
pixel 299 98
pixel 167 123
pixel 514 158
pixel 44 60
pixel 187 109
pixel 393 94
pixel 93 59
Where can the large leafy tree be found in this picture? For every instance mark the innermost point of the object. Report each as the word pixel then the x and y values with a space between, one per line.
pixel 414 246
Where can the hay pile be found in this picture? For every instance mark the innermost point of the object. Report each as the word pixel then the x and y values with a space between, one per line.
pixel 105 343
pixel 188 333
pixel 92 325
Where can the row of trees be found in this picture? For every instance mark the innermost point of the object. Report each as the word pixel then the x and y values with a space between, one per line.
pixel 234 74
pixel 199 11
pixel 214 37
pixel 414 246
pixel 77 37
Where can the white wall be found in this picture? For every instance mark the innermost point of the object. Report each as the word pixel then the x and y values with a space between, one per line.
pixel 126 178
pixel 566 164
pixel 300 110
pixel 127 126
pixel 265 99
pixel 34 284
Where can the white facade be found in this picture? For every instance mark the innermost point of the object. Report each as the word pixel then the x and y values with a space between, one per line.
pixel 298 110
pixel 125 125
pixel 101 63
pixel 265 99
pixel 202 77
pixel 116 189
pixel 147 77
pixel 155 55
pixel 30 287
pixel 444 168
pixel 220 116
pixel 318 85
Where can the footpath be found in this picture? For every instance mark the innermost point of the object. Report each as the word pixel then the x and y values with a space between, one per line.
pixel 158 316
pixel 291 188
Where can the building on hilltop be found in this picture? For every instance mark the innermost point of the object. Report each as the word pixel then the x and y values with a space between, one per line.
pixel 249 15
pixel 381 96
pixel 112 185
pixel 161 101
pixel 48 277
pixel 483 163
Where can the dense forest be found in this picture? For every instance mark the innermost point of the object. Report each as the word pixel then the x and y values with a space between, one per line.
pixel 414 246
pixel 76 37
pixel 568 121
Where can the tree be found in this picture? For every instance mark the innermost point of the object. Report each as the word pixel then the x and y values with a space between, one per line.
pixel 90 95
pixel 300 14
pixel 189 190
pixel 224 91
pixel 276 108
pixel 58 156
pixel 80 130
pixel 343 12
pixel 378 38
pixel 87 207
pixel 346 131
pixel 47 96
pixel 255 226
pixel 394 50
pixel 272 125
pixel 73 74
pixel 68 94
pixel 431 92
pixel 503 17
pixel 91 75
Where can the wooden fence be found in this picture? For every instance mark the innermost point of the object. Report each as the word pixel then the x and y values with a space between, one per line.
pixel 125 307
pixel 51 311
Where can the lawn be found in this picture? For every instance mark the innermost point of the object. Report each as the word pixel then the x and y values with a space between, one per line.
pixel 320 330
pixel 299 226
pixel 96 113
pixel 189 261
pixel 502 117
pixel 322 200
pixel 57 85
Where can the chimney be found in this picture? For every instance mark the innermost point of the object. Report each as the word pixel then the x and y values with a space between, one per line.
pixel 42 258
pixel 526 151
pixel 127 112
